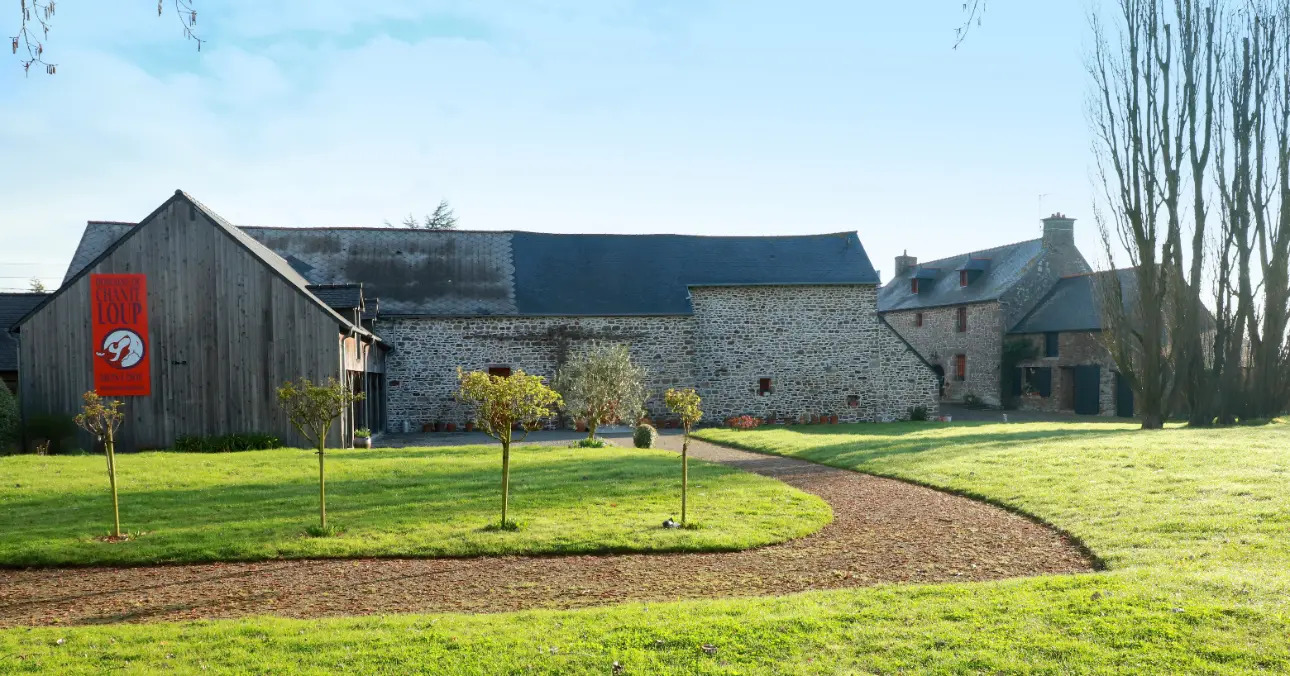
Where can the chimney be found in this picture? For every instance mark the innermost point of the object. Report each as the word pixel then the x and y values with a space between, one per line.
pixel 905 263
pixel 1059 232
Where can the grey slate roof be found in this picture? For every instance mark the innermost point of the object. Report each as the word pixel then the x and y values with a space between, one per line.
pixel 14 306
pixel 339 296
pixel 1007 265
pixel 1074 304
pixel 464 273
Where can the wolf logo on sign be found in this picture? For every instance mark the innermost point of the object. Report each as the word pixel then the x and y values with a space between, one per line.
pixel 122 349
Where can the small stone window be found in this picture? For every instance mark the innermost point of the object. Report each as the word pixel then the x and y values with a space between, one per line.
pixel 1051 346
pixel 960 367
pixel 913 285
pixel 763 386
pixel 853 400
pixel 961 320
pixel 500 371
pixel 918 319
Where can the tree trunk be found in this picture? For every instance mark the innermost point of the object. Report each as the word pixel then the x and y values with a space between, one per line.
pixel 322 488
pixel 506 478
pixel 1152 421
pixel 685 471
pixel 591 429
pixel 109 447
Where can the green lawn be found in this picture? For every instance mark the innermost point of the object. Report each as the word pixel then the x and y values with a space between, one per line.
pixel 1194 526
pixel 395 502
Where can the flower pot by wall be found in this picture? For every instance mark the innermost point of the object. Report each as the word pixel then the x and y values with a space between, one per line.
pixel 363 442
pixel 470 427
pixel 427 427
pixel 452 427
pixel 833 419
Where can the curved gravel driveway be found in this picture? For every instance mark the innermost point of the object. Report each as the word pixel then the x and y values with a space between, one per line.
pixel 883 531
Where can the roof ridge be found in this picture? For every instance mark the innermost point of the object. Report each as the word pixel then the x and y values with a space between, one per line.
pixel 424 231
pixel 980 251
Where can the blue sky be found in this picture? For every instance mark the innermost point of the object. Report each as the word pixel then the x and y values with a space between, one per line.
pixel 700 116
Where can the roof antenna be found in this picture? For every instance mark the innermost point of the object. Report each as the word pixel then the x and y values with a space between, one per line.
pixel 1039 212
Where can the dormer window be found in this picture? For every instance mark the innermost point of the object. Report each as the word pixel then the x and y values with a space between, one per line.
pixel 963 278
pixel 913 285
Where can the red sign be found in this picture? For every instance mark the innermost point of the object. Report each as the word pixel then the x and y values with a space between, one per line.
pixel 119 308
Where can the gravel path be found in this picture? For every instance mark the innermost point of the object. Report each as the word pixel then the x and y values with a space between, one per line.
pixel 883 531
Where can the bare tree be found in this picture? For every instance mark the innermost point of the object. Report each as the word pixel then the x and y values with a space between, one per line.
pixel 36 20
pixel 973 14
pixel 1131 97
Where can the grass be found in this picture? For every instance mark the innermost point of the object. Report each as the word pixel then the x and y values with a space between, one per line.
pixel 398 502
pixel 1194 526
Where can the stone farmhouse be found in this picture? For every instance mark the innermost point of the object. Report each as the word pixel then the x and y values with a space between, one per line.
pixel 783 326
pixel 958 312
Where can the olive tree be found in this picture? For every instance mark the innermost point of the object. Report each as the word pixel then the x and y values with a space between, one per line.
pixel 102 418
pixel 602 387
pixel 312 409
pixel 685 405
pixel 503 403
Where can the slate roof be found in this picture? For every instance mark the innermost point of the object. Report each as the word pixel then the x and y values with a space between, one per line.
pixel 339 296
pixel 1074 304
pixel 1007 265
pixel 14 306
pixel 465 273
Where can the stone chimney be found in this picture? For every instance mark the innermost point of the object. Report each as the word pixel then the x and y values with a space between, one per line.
pixel 905 263
pixel 1059 232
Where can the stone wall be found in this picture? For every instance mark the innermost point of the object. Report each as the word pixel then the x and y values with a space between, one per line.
pixel 823 348
pixel 1074 348
pixel 938 341
pixel 818 346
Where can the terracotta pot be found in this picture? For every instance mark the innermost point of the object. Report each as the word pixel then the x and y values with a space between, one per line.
pixel 833 420
pixel 451 427
pixel 427 427
pixel 470 427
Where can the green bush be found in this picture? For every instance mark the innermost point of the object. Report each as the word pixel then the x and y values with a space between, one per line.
pixel 589 443
pixel 58 430
pixel 227 443
pixel 8 418
pixel 918 414
pixel 644 436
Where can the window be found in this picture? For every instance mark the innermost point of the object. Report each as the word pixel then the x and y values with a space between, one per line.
pixel 913 285
pixel 918 319
pixel 1050 344
pixel 963 277
pixel 1039 379
pixel 960 367
pixel 853 400
pixel 500 371
pixel 961 320
pixel 763 386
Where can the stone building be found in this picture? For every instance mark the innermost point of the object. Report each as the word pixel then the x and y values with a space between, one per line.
pixel 957 311
pixel 1072 369
pixel 783 326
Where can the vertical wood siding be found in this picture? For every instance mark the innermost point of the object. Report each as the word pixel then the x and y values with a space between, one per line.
pixel 224 332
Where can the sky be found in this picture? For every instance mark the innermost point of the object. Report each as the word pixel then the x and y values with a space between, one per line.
pixel 715 117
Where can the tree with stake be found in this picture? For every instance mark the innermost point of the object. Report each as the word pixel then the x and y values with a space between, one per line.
pixel 312 409
pixel 685 404
pixel 102 418
pixel 502 404
pixel 602 387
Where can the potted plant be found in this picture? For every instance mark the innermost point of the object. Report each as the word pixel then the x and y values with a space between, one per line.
pixel 362 438
pixel 470 425
pixel 450 427
pixel 833 419
pixel 427 427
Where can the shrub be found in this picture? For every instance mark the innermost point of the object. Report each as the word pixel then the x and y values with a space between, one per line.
pixel 227 443
pixel 588 443
pixel 363 433
pixel 8 418
pixel 918 414
pixel 56 429
pixel 644 436
pixel 744 422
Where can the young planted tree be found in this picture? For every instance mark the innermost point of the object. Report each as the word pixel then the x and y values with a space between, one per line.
pixel 312 409
pixel 602 387
pixel 501 405
pixel 102 418
pixel 684 404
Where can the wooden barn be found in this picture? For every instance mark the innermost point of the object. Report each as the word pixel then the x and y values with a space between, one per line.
pixel 194 324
